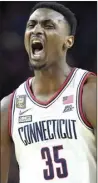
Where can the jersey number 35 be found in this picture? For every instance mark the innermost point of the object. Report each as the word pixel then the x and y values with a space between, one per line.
pixel 49 172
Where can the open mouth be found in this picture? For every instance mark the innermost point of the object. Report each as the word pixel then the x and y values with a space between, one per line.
pixel 37 47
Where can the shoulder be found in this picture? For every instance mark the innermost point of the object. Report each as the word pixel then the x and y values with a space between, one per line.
pixel 90 85
pixel 5 102
pixel 5 105
pixel 89 99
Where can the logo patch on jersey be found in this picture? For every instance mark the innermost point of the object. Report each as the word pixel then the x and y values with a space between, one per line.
pixel 24 119
pixel 21 101
pixel 68 108
pixel 68 99
pixel 22 112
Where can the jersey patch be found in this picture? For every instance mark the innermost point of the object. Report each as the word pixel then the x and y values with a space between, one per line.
pixel 21 101
pixel 68 99
pixel 24 119
pixel 68 108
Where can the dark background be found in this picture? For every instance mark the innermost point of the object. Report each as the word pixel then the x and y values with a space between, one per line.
pixel 14 63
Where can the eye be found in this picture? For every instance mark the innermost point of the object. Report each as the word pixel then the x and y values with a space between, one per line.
pixel 30 25
pixel 49 26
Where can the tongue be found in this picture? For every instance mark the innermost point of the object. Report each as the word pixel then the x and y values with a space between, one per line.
pixel 36 51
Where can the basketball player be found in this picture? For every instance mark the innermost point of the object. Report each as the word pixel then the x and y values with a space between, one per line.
pixel 52 116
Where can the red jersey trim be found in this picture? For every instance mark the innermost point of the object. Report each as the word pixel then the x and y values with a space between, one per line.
pixel 10 114
pixel 80 100
pixel 55 95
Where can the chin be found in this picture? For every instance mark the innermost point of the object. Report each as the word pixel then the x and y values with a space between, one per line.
pixel 37 65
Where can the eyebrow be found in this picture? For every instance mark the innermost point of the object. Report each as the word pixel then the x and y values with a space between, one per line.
pixel 45 20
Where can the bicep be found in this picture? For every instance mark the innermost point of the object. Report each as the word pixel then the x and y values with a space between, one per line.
pixel 5 143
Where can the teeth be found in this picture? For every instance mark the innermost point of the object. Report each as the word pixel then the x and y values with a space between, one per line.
pixel 36 41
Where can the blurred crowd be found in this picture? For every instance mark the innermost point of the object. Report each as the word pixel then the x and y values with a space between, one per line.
pixel 14 62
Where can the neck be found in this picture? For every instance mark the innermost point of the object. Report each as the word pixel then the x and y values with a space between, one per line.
pixel 48 81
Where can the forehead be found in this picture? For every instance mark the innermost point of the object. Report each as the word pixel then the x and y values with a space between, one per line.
pixel 45 13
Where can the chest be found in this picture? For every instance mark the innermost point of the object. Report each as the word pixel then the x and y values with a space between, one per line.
pixel 61 107
pixel 56 121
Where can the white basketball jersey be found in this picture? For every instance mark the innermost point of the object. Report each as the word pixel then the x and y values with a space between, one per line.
pixel 53 141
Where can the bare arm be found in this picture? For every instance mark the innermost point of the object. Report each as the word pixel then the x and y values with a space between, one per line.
pixel 5 140
pixel 90 100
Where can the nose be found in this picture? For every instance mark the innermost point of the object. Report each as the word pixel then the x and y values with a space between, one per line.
pixel 38 30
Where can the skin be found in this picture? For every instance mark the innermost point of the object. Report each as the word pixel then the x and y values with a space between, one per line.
pixel 56 34
pixel 50 71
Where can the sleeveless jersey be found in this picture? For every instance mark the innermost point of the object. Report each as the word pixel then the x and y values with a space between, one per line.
pixel 53 141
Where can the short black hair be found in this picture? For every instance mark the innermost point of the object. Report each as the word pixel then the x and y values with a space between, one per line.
pixel 68 15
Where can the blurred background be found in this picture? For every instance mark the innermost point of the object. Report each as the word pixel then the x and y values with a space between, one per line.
pixel 14 63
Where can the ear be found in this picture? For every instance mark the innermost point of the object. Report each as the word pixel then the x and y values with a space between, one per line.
pixel 25 43
pixel 69 41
